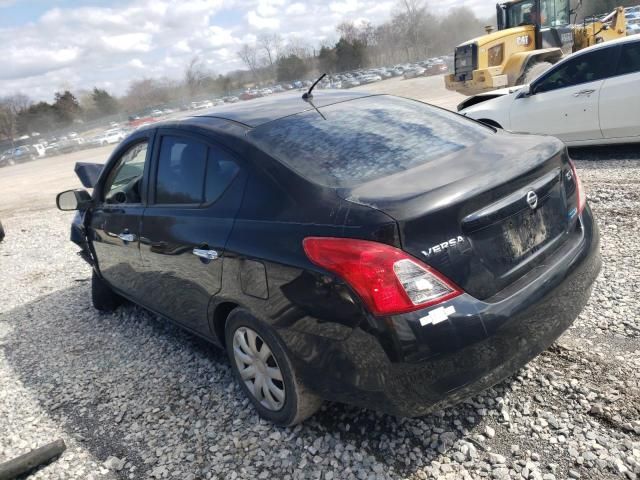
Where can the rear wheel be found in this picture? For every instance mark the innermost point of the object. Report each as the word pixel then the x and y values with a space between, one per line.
pixel 103 298
pixel 264 371
pixel 534 71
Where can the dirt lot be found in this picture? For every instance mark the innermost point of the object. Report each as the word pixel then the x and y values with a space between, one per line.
pixel 34 185
pixel 135 397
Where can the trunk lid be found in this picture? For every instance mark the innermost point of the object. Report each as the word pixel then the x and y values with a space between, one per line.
pixel 483 216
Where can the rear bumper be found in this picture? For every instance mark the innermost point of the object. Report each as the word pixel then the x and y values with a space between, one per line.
pixel 399 366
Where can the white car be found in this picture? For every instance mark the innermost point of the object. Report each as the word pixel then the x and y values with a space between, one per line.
pixel 201 105
pixel 590 97
pixel 110 136
pixel 40 148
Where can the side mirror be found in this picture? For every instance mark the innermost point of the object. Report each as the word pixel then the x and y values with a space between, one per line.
pixel 525 92
pixel 73 200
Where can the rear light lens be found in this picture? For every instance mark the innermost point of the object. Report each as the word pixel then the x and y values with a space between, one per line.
pixel 387 279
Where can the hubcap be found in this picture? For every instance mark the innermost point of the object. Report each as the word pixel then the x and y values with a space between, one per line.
pixel 258 368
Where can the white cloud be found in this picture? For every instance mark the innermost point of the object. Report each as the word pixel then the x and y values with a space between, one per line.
pixel 135 63
pixel 128 42
pixel 82 46
pixel 269 8
pixel 346 6
pixel 182 47
pixel 296 9
pixel 262 23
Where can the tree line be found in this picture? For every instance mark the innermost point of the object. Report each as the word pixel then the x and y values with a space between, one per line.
pixel 412 33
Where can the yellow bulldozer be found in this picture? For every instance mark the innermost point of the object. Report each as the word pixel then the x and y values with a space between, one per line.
pixel 531 35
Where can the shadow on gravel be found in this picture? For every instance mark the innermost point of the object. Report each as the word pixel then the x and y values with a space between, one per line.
pixel 134 386
pixel 611 152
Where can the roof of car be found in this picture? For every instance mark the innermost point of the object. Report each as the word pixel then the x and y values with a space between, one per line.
pixel 266 109
pixel 627 39
pixel 598 46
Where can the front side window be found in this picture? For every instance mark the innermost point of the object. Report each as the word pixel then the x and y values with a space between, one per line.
pixel 629 59
pixel 585 68
pixel 124 183
pixel 521 13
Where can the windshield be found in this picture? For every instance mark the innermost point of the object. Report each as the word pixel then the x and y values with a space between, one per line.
pixel 553 13
pixel 365 139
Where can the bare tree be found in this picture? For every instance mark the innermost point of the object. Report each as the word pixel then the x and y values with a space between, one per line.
pixel 249 55
pixel 10 107
pixel 271 44
pixel 415 28
pixel 194 77
pixel 147 93
pixel 298 47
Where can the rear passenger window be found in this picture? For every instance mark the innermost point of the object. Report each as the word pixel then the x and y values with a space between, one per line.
pixel 181 171
pixel 191 172
pixel 221 170
pixel 629 59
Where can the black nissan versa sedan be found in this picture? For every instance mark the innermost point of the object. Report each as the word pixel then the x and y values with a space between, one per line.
pixel 365 249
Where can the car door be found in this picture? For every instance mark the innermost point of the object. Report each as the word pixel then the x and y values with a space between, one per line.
pixel 620 96
pixel 564 101
pixel 195 194
pixel 115 221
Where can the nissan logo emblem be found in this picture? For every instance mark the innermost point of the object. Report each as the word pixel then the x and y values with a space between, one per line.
pixel 532 199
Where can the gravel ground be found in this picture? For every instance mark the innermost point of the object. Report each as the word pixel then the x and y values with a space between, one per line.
pixel 135 397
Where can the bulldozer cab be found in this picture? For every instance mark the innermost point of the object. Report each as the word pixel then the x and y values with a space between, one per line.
pixel 540 13
pixel 551 19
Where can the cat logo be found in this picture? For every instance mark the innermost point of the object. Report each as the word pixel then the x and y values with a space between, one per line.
pixel 522 40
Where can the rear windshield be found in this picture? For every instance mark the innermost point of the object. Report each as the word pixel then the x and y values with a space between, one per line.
pixel 361 140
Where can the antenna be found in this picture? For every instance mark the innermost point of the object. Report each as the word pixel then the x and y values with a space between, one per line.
pixel 308 95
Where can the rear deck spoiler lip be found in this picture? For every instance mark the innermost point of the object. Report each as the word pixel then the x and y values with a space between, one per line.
pixel 88 173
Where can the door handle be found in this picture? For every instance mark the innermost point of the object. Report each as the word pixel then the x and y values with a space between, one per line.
pixel 127 237
pixel 205 254
pixel 583 92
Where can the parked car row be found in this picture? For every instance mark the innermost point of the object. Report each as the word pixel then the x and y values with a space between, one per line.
pixel 354 78
pixel 19 154
pixel 632 16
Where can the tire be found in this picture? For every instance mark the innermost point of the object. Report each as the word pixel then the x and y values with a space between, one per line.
pixel 534 71
pixel 295 403
pixel 1 232
pixel 103 298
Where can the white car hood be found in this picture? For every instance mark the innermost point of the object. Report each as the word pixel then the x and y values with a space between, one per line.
pixel 473 100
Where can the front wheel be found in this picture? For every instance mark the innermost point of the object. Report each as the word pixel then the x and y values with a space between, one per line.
pixel 263 369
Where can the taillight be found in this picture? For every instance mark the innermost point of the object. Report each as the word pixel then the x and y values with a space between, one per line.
pixel 580 193
pixel 387 279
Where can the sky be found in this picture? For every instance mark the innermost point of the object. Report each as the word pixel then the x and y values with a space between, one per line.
pixel 50 45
